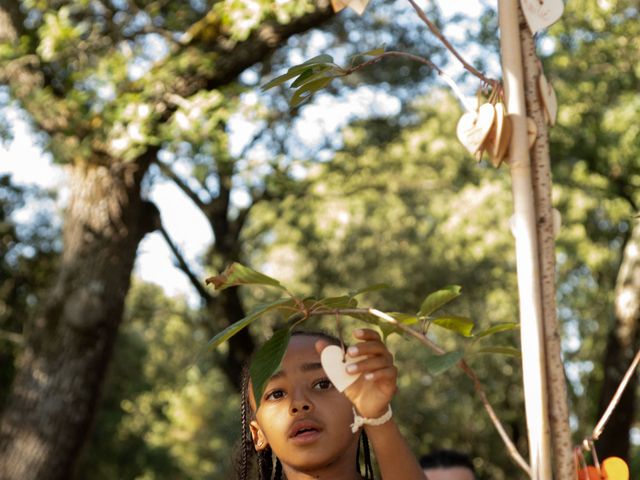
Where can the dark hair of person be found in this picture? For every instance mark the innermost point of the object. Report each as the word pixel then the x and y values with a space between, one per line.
pixel 446 459
pixel 265 464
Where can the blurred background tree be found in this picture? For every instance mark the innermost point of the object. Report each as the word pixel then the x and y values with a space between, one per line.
pixel 139 93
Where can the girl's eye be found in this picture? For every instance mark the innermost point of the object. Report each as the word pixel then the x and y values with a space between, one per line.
pixel 274 395
pixel 324 384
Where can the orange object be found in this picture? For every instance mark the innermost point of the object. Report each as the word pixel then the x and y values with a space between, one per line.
pixel 590 474
pixel 615 468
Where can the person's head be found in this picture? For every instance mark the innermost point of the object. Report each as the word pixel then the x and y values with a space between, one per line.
pixel 303 422
pixel 447 465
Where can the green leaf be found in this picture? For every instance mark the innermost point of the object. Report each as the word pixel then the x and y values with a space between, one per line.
pixel 306 74
pixel 323 58
pixel 307 90
pixel 441 363
pixel 436 300
pixel 499 327
pixel 404 318
pixel 373 53
pixel 280 80
pixel 313 73
pixel 455 323
pixel 234 328
pixel 343 301
pixel 237 274
pixel 267 360
pixel 370 288
pixel 510 351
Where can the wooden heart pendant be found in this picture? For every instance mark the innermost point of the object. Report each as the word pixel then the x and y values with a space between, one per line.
pixel 500 136
pixel 540 14
pixel 474 127
pixel 335 362
pixel 548 99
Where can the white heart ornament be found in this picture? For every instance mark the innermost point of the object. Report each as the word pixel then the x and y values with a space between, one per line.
pixel 473 127
pixel 335 362
pixel 357 5
pixel 549 100
pixel 541 13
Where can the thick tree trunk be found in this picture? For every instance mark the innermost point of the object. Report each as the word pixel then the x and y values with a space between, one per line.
pixel 622 344
pixel 69 344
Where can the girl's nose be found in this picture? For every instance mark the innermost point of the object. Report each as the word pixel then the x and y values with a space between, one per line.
pixel 300 403
pixel 300 407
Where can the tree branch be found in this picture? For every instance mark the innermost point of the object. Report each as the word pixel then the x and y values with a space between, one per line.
pixel 182 185
pixel 184 266
pixel 436 31
pixel 424 61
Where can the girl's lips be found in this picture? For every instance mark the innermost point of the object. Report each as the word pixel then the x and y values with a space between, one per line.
pixel 306 437
pixel 304 431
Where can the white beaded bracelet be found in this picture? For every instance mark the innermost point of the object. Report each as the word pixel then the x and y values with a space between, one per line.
pixel 359 421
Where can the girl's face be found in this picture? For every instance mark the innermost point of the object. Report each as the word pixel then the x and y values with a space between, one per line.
pixel 303 418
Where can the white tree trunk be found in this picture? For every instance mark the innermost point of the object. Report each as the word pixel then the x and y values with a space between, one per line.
pixel 524 230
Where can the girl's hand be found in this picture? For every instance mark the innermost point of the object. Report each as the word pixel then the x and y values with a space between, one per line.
pixel 373 391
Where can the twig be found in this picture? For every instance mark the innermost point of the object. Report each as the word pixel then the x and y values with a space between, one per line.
pixel 184 266
pixel 597 431
pixel 434 29
pixel 461 364
pixel 422 60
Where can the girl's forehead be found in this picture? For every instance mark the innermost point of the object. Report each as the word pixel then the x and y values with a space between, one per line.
pixel 301 347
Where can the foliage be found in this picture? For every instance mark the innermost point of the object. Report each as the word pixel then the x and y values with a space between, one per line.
pixel 162 415
pixel 267 359
pixel 28 254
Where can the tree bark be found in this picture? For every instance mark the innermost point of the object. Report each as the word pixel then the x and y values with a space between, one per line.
pixel 68 346
pixel 622 343
pixel 541 180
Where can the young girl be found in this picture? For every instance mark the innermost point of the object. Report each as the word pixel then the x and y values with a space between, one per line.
pixel 305 429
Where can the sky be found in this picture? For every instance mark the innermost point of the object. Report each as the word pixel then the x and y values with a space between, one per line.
pixel 27 163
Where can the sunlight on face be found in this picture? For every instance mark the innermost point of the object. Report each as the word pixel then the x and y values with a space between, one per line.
pixel 302 417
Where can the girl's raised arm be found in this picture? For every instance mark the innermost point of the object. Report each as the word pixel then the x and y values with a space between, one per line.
pixel 371 396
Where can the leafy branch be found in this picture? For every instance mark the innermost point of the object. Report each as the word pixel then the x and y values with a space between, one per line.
pixel 318 72
pixel 297 310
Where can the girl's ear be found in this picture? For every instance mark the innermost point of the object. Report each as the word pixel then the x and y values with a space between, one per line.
pixel 259 440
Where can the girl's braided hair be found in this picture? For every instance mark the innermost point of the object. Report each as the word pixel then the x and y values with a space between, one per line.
pixel 265 464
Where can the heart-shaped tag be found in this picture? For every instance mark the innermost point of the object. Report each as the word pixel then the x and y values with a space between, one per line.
pixel 357 5
pixel 541 13
pixel 501 136
pixel 505 140
pixel 473 127
pixel 615 468
pixel 532 131
pixel 548 99
pixel 334 362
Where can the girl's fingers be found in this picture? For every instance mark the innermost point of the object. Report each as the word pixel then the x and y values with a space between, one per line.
pixel 389 373
pixel 369 348
pixel 369 365
pixel 366 334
